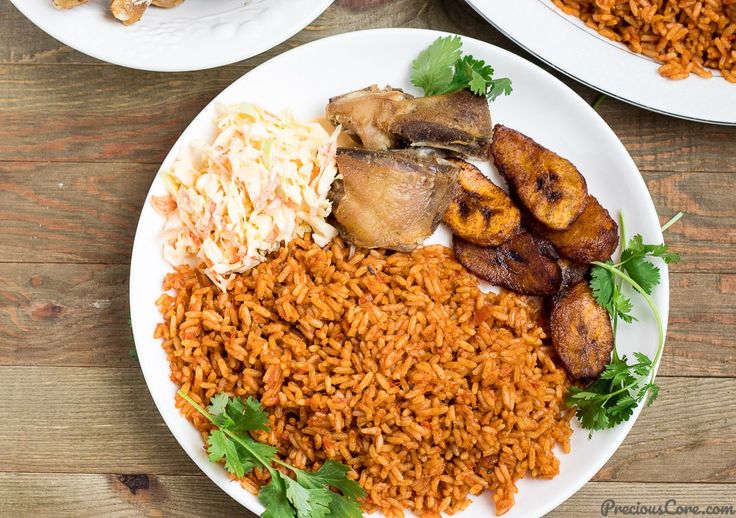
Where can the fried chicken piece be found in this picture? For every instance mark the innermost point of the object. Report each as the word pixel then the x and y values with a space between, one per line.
pixel 391 199
pixel 367 115
pixel 459 122
pixel 390 118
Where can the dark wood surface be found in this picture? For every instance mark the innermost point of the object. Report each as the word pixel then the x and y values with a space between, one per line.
pixel 80 142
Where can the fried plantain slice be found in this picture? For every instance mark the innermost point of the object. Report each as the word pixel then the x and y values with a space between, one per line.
pixel 129 11
pixel 549 186
pixel 524 264
pixel 480 211
pixel 581 332
pixel 591 237
pixel 572 272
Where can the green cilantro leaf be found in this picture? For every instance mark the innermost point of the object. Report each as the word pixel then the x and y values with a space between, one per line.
pixel 602 284
pixel 653 391
pixel 441 68
pixel 221 447
pixel 273 496
pixel 636 247
pixel 236 417
pixel 643 272
pixel 498 87
pixel 342 507
pixel 218 403
pixel 309 502
pixel 623 306
pixel 432 69
pixel 332 474
pixel 310 495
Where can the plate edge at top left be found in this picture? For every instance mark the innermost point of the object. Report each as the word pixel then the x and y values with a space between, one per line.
pixel 43 15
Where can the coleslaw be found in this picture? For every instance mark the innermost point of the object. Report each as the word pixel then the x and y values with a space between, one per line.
pixel 263 180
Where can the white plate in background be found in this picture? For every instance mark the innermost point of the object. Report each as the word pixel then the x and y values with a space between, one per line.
pixel 540 106
pixel 195 35
pixel 567 44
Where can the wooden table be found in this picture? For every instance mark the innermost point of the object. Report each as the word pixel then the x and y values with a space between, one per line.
pixel 80 142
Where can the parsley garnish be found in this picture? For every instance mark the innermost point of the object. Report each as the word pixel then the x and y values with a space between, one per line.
pixel 309 495
pixel 441 68
pixel 612 398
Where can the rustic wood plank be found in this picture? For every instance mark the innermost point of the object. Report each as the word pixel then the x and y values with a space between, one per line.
pixel 706 237
pixel 131 495
pixel 83 127
pixel 95 420
pixel 87 212
pixel 58 314
pixel 85 309
pixel 101 420
pixel 71 212
pixel 91 495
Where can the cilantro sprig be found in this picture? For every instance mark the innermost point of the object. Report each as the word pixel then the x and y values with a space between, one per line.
pixel 308 495
pixel 622 386
pixel 441 68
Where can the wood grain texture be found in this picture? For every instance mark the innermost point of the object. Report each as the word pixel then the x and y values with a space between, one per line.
pixel 85 309
pixel 55 495
pixel 101 420
pixel 73 212
pixel 81 126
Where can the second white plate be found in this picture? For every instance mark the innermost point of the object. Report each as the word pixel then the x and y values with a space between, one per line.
pixel 571 47
pixel 195 35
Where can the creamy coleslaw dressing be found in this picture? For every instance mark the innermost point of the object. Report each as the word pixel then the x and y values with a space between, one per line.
pixel 263 180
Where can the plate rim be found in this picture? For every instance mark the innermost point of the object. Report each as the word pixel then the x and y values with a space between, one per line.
pixel 50 28
pixel 233 490
pixel 475 5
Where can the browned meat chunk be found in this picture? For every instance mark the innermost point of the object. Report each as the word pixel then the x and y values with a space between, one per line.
pixel 459 122
pixel 524 264
pixel 549 186
pixel 581 332
pixel 367 114
pixel 389 118
pixel 481 212
pixel 391 199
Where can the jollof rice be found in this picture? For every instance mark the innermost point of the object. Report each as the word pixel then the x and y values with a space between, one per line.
pixel 685 35
pixel 394 363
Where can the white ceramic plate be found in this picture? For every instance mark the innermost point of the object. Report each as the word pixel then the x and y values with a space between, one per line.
pixel 540 106
pixel 195 35
pixel 565 43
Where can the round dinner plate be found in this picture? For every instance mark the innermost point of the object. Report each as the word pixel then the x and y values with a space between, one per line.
pixel 195 35
pixel 567 44
pixel 540 106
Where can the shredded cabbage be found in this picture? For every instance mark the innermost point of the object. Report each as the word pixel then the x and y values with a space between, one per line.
pixel 263 180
